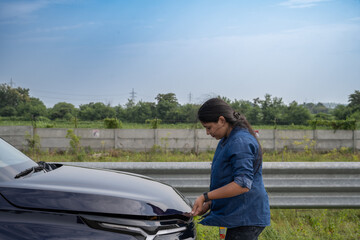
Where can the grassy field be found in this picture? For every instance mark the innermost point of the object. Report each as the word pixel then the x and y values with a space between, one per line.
pixel 89 124
pixel 303 224
pixel 100 125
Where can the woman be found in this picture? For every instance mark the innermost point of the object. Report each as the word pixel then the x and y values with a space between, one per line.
pixel 237 198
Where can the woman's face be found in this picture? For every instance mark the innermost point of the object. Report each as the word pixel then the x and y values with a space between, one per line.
pixel 217 129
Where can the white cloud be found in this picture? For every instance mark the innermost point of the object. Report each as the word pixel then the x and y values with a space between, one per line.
pixel 301 3
pixel 64 28
pixel 19 9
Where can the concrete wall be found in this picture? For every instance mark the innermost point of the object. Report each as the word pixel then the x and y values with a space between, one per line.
pixel 178 139
pixel 16 135
pixel 321 140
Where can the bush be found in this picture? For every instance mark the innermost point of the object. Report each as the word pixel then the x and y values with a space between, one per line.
pixel 8 111
pixel 154 123
pixel 33 143
pixel 112 123
pixel 334 124
pixel 74 141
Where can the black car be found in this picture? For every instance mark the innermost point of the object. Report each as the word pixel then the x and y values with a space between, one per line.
pixel 54 201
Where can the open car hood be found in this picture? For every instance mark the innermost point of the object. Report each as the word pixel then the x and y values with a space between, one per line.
pixel 78 189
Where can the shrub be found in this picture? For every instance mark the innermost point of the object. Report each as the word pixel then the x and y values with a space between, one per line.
pixel 154 123
pixel 74 141
pixel 33 142
pixel 334 124
pixel 112 123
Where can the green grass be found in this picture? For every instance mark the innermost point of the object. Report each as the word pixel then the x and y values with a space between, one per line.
pixel 90 124
pixel 100 125
pixel 115 155
pixel 303 224
pixel 336 155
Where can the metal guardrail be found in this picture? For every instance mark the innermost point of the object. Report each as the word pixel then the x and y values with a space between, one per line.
pixel 289 185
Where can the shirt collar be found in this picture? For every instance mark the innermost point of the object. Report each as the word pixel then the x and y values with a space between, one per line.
pixel 224 140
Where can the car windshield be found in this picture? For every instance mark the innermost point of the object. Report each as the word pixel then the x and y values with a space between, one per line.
pixel 12 161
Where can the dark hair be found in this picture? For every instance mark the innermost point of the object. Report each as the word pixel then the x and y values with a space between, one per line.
pixel 213 108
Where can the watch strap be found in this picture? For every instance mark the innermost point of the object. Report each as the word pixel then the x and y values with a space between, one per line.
pixel 206 197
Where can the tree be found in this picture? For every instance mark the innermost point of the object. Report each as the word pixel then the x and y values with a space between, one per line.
pixel 130 103
pixel 188 113
pixel 145 110
pixel 271 109
pixel 324 116
pixel 355 116
pixel 32 109
pixel 318 108
pixel 341 112
pixel 120 113
pixel 166 107
pixel 62 110
pixel 96 111
pixel 140 112
pixel 12 96
pixel 296 114
pixel 354 101
pixel 225 99
pixel 8 111
pixel 242 106
pixel 254 115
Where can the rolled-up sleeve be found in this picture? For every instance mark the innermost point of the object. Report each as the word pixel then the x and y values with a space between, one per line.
pixel 242 161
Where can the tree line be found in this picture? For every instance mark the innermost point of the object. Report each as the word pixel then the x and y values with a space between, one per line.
pixel 17 103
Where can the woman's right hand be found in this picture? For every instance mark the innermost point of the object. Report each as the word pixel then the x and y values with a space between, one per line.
pixel 200 206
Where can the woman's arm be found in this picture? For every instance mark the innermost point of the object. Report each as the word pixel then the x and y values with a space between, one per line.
pixel 230 190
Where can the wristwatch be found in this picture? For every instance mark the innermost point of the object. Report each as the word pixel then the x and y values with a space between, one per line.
pixel 206 196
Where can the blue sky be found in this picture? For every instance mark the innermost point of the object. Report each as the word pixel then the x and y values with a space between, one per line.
pixel 82 51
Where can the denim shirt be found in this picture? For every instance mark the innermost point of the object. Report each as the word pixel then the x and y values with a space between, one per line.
pixel 234 160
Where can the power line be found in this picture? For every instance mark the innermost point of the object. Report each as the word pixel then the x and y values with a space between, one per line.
pixel 77 94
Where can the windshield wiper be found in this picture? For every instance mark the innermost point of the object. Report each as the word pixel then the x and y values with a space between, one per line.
pixel 47 166
pixel 43 166
pixel 30 171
